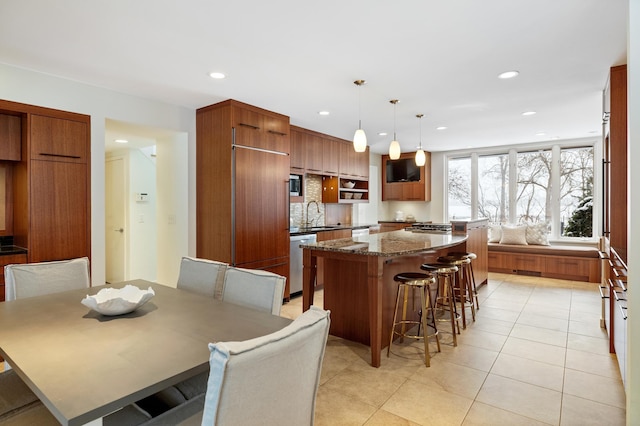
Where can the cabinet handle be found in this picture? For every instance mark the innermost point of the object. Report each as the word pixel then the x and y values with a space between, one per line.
pixel 251 126
pixel 59 155
pixel 277 133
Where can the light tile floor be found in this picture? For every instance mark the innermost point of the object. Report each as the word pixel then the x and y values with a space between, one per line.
pixel 536 355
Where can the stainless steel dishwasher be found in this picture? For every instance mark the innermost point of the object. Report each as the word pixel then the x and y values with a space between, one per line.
pixel 295 261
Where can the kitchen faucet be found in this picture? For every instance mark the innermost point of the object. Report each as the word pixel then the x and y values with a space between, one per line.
pixel 317 208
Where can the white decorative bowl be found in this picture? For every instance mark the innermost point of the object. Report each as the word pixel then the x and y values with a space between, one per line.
pixel 348 195
pixel 349 185
pixel 118 301
pixel 357 196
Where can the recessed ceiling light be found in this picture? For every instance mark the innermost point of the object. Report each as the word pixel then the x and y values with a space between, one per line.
pixel 442 128
pixel 508 74
pixel 593 131
pixel 540 134
pixel 323 112
pixel 217 75
pixel 121 141
pixel 382 134
pixel 528 113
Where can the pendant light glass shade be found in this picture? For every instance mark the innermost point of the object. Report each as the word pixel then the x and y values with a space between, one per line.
pixel 360 141
pixel 421 158
pixel 359 138
pixel 394 150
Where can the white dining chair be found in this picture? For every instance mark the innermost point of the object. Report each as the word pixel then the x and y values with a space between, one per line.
pixel 269 380
pixel 37 279
pixel 253 288
pixel 202 276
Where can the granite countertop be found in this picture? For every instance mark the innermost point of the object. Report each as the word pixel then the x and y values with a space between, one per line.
pixel 395 243
pixel 322 228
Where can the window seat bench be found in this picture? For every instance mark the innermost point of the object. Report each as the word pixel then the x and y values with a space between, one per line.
pixel 576 263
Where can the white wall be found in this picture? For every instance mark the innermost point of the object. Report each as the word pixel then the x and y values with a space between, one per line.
pixel 33 88
pixel 142 218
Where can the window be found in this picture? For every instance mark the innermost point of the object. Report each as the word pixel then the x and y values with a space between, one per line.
pixel 459 188
pixel 553 185
pixel 493 187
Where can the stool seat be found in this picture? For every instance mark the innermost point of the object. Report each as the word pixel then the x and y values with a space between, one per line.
pixel 408 277
pixel 439 268
pixel 471 256
pixel 454 260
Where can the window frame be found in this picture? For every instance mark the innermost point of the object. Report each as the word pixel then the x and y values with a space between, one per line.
pixel 512 151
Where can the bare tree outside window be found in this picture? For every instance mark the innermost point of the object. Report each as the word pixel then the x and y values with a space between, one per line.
pixel 493 187
pixel 533 188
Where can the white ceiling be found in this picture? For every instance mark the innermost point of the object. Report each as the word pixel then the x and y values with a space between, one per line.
pixel 440 58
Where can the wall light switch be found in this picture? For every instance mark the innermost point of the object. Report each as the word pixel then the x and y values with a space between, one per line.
pixel 142 197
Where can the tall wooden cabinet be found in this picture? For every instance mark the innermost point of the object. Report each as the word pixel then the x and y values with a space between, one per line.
pixel 51 183
pixel 407 191
pixel 242 172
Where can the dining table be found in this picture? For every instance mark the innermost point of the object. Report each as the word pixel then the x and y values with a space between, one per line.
pixel 84 365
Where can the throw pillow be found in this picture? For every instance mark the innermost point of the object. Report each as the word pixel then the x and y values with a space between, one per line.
pixel 495 233
pixel 514 235
pixel 538 234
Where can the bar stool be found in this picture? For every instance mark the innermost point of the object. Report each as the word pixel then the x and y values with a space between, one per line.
pixel 444 301
pixel 469 272
pixel 461 285
pixel 421 282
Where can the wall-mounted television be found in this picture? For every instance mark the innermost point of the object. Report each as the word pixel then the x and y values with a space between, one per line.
pixel 402 170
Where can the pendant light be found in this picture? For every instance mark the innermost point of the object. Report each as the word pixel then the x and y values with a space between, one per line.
pixel 394 148
pixel 421 159
pixel 359 138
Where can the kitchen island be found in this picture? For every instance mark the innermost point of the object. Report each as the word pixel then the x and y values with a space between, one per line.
pixel 359 289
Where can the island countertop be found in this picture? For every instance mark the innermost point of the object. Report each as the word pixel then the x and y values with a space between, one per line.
pixel 388 244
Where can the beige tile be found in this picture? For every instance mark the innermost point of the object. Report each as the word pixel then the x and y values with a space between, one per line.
pixel 536 351
pixel 602 365
pixel 491 325
pixel 482 339
pixel 426 406
pixel 550 337
pixel 595 345
pixel 468 356
pixel 546 311
pixel 370 386
pixel 579 412
pixel 588 328
pixel 497 314
pixel 505 303
pixel 533 372
pixel 337 408
pixel 543 321
pixel 595 388
pixel 384 418
pixel 485 415
pixel 590 317
pixel 592 306
pixel 521 398
pixel 453 378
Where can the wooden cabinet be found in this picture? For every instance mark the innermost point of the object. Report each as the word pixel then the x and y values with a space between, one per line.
pixel 8 260
pixel 407 191
pixel 477 242
pixel 392 226
pixel 10 137
pixel 51 183
pixel 615 160
pixel 297 152
pixel 338 190
pixel 326 236
pixel 242 173
pixel 327 155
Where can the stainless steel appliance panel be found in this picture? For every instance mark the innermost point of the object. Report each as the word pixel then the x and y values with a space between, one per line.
pixel 295 259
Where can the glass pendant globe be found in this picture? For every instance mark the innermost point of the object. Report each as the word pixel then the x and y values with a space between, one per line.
pixel 360 141
pixel 394 150
pixel 421 159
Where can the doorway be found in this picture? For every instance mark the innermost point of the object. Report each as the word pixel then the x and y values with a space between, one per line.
pixel 146 202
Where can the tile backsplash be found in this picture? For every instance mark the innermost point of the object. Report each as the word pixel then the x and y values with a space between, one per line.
pixel 312 192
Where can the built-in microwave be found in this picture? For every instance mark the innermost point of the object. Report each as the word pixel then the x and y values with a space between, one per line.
pixel 295 185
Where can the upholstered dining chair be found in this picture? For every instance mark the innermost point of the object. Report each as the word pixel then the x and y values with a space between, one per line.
pixel 202 276
pixel 37 279
pixel 269 380
pixel 253 288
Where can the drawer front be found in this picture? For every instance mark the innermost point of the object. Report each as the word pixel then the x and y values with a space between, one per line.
pixel 567 266
pixel 525 262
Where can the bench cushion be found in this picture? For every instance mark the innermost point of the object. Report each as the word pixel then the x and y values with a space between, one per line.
pixel 553 250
